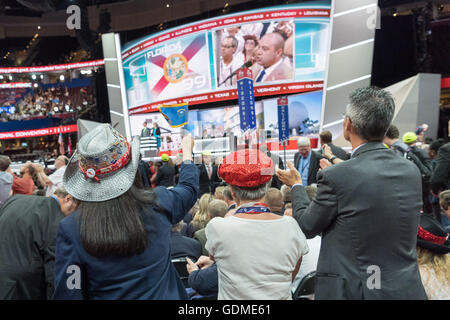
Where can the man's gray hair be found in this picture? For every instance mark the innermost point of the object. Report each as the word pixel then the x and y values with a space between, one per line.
pixel 217 208
pixel 61 192
pixel 234 41
pixel 370 111
pixel 303 142
pixel 243 193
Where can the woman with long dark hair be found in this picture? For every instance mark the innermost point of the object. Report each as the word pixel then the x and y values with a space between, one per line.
pixel 116 246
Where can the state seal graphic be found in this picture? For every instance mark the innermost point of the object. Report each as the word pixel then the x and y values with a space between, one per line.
pixel 175 68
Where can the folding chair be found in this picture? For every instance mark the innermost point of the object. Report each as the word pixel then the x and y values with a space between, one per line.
pixel 306 287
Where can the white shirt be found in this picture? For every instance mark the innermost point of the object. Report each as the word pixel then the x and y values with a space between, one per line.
pixel 255 258
pixel 57 181
pixel 227 69
pixel 309 261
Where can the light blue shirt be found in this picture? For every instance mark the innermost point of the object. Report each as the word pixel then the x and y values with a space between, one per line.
pixel 353 151
pixel 303 168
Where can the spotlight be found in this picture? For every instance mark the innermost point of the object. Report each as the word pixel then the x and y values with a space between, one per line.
pixel 42 76
pixel 35 85
pixel 61 77
pixel 39 27
pixel 10 77
pixel 1 77
pixel 167 5
pixel 33 77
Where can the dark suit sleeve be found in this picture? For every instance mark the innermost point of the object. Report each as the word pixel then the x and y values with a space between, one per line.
pixel 205 282
pixel 180 199
pixel 441 171
pixel 158 176
pixel 314 218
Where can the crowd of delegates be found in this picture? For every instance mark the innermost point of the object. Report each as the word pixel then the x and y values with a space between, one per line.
pixel 369 224
pixel 49 102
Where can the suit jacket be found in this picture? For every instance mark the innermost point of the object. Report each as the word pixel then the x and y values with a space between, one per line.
pixel 28 228
pixel 368 216
pixel 314 165
pixel 283 71
pixel 338 152
pixel 150 275
pixel 181 247
pixel 200 235
pixel 165 176
pixel 440 179
pixel 206 184
pixel 145 132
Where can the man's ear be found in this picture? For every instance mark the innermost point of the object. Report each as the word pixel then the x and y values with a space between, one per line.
pixel 68 198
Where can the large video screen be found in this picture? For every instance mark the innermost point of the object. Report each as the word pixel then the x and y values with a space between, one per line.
pixel 284 46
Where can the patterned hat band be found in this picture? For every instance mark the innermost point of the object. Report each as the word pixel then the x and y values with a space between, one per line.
pixel 92 171
pixel 428 236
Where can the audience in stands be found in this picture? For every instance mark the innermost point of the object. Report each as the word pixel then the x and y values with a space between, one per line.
pixel 47 103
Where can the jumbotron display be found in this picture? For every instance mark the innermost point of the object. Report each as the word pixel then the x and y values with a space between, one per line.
pixel 284 46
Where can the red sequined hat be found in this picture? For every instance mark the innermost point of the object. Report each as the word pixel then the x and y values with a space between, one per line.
pixel 246 168
pixel 431 235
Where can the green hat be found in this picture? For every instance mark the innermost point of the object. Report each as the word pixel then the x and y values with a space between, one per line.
pixel 409 137
pixel 165 157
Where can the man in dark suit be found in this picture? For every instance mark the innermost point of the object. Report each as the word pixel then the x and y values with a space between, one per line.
pixel 145 132
pixel 181 246
pixel 367 210
pixel 326 137
pixel 28 229
pixel 440 178
pixel 166 173
pixel 208 179
pixel 307 161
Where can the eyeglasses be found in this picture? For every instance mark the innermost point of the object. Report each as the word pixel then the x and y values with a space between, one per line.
pixel 227 47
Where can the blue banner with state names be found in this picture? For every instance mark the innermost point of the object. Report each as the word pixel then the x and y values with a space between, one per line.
pixel 246 98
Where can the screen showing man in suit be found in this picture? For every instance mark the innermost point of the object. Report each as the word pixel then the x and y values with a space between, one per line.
pixel 270 55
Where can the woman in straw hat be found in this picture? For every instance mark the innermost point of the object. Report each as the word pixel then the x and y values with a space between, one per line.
pixel 116 246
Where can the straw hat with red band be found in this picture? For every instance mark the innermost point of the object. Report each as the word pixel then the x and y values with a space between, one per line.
pixel 431 235
pixel 246 168
pixel 103 167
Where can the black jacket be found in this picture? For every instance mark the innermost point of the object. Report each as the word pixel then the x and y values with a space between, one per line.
pixel 28 229
pixel 208 185
pixel 339 152
pixel 368 217
pixel 182 247
pixel 165 176
pixel 440 179
pixel 314 165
